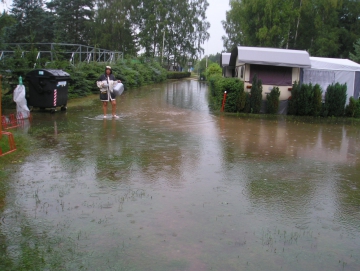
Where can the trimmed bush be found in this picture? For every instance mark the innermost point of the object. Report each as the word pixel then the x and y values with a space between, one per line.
pixel 177 75
pixel 335 100
pixel 352 110
pixel 316 101
pixel 292 107
pixel 304 100
pixel 247 108
pixel 272 105
pixel 213 69
pixel 235 100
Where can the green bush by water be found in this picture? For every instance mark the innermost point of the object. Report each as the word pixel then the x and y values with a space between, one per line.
pixel 178 75
pixel 272 105
pixel 335 99
pixel 235 99
pixel 352 110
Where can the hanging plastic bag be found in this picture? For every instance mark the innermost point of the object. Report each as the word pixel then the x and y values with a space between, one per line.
pixel 22 109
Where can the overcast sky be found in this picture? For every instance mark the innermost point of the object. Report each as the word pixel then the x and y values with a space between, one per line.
pixel 216 13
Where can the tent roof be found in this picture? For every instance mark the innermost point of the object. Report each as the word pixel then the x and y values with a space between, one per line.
pixel 322 63
pixel 225 59
pixel 270 56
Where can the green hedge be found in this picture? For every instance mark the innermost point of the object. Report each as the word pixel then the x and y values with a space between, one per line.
pixel 352 110
pixel 177 75
pixel 305 100
pixel 84 75
pixel 235 98
pixel 335 100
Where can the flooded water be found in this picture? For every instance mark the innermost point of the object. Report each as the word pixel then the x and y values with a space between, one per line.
pixel 171 186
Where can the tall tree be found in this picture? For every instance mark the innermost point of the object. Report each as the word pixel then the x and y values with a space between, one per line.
pixel 150 21
pixel 174 28
pixel 6 21
pixel 323 27
pixel 73 18
pixel 34 24
pixel 349 26
pixel 112 28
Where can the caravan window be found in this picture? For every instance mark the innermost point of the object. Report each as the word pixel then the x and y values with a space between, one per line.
pixel 272 75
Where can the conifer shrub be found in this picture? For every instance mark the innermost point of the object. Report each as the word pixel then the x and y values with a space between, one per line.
pixel 316 101
pixel 292 106
pixel 256 95
pixel 272 105
pixel 304 100
pixel 335 100
pixel 352 110
pixel 247 108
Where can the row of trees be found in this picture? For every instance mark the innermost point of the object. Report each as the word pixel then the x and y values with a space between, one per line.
pixel 322 27
pixel 176 29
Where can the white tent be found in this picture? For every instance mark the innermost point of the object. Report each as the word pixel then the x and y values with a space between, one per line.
pixel 327 71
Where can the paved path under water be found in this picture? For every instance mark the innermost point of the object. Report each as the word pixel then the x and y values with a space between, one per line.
pixel 170 186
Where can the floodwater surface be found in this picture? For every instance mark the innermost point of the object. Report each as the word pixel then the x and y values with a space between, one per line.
pixel 171 186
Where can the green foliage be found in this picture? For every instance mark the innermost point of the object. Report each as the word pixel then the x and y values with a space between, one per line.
pixel 316 101
pixel 273 101
pixel 213 69
pixel 247 108
pixel 356 55
pixel 235 100
pixel 353 108
pixel 178 75
pixel 200 66
pixel 304 100
pixel 335 100
pixel 322 27
pixel 84 75
pixel 256 95
pixel 292 107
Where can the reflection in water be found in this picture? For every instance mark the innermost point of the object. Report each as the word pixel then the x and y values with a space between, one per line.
pixel 169 186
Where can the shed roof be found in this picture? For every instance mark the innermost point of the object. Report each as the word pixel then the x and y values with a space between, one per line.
pixel 270 56
pixel 322 63
pixel 225 59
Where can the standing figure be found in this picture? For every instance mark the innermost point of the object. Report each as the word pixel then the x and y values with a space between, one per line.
pixel 106 83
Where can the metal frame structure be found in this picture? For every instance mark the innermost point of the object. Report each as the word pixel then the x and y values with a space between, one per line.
pixel 76 53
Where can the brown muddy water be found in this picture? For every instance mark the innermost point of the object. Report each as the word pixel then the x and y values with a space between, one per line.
pixel 171 186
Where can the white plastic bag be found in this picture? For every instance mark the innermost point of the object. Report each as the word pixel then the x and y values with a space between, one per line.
pixel 22 109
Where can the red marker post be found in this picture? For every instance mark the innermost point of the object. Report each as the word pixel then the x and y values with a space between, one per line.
pixel 223 103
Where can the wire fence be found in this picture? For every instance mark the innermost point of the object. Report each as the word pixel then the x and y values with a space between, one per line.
pixel 74 53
